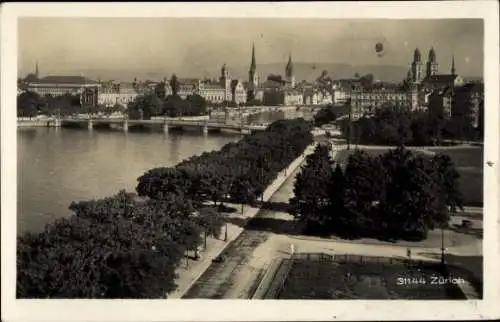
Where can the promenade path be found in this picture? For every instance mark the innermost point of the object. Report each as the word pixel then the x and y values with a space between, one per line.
pixel 235 275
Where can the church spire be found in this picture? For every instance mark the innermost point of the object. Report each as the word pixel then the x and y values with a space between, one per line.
pixel 36 69
pixel 453 65
pixel 289 67
pixel 253 66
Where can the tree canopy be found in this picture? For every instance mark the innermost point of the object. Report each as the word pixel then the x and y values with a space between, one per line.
pixel 396 125
pixel 395 195
pixel 325 116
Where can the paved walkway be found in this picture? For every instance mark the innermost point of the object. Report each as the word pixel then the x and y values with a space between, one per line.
pixel 246 260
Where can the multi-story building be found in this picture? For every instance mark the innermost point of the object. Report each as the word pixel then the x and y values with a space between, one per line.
pixel 117 93
pixel 316 96
pixel 60 85
pixel 238 92
pixel 461 102
pixel 214 91
pixel 365 101
pixel 342 88
pixel 293 97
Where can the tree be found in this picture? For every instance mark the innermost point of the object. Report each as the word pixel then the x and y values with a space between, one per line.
pixel 145 106
pixel 211 221
pixel 446 177
pixel 390 125
pixel 242 191
pixel 367 81
pixel 159 182
pixel 410 206
pixel 80 258
pixel 197 105
pixel 310 203
pixel 325 116
pixel 174 84
pixel 28 104
pixel 360 195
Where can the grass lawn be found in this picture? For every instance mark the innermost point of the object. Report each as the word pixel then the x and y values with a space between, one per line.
pixel 469 164
pixel 316 280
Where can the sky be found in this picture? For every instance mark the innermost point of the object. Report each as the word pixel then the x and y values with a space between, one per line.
pixel 181 45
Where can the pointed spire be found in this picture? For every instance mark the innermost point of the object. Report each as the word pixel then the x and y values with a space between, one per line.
pixel 289 67
pixel 417 55
pixel 453 65
pixel 253 64
pixel 36 69
pixel 432 55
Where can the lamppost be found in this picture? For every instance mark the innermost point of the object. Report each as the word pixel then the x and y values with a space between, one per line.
pixel 349 127
pixel 225 229
pixel 442 245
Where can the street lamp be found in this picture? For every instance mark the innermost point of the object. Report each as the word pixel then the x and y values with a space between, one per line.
pixel 350 127
pixel 442 245
pixel 225 230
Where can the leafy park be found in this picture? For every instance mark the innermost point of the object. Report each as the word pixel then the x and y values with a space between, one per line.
pixel 396 125
pixel 391 196
pixel 130 244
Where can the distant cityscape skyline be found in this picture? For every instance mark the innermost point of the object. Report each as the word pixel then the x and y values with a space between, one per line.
pixel 162 46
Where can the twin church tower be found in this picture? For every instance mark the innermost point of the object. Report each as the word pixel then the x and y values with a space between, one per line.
pixel 416 73
pixel 253 77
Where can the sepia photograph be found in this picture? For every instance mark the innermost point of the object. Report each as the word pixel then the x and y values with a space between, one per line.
pixel 251 157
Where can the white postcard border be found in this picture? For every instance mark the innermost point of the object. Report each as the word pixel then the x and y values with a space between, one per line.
pixel 234 310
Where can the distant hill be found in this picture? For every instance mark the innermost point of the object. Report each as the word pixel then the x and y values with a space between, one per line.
pixel 302 71
pixel 310 71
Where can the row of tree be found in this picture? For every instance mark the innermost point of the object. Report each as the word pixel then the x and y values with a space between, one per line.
pixel 129 246
pixel 31 104
pixel 395 195
pixel 239 171
pixel 150 104
pixel 396 125
pixel 117 247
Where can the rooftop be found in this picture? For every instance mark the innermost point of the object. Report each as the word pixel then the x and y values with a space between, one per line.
pixel 76 80
pixel 444 78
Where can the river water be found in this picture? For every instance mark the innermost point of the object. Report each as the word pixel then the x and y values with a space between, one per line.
pixel 58 166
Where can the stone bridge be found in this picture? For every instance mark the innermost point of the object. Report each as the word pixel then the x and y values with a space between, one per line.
pixel 165 123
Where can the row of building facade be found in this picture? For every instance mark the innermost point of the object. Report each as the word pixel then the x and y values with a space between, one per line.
pixel 422 85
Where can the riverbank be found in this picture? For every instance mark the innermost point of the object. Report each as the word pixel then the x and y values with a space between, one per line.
pixel 188 276
pixel 24 123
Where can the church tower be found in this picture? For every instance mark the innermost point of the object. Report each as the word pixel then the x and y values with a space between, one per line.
pixel 225 82
pixel 289 72
pixel 36 70
pixel 253 78
pixel 417 68
pixel 432 65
